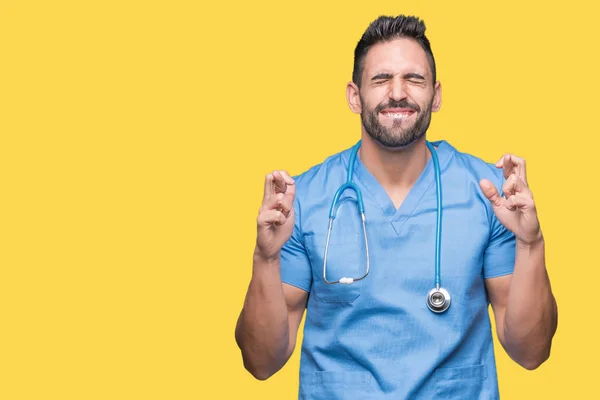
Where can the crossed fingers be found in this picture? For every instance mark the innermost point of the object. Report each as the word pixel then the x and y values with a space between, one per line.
pixel 515 189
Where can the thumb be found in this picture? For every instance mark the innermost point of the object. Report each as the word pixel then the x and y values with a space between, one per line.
pixel 490 191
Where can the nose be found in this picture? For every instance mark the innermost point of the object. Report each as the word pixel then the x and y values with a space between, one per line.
pixel 397 90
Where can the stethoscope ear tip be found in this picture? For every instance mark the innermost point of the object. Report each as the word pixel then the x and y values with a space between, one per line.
pixel 438 300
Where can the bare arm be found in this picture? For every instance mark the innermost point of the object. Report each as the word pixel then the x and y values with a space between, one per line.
pixel 267 327
pixel 524 307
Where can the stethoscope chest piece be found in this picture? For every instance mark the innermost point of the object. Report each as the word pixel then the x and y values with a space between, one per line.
pixel 438 300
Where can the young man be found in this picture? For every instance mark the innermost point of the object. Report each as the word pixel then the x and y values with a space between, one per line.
pixel 397 302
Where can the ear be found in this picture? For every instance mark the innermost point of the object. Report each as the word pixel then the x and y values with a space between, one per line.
pixel 353 97
pixel 437 97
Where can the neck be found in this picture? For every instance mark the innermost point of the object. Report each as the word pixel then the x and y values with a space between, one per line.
pixel 395 169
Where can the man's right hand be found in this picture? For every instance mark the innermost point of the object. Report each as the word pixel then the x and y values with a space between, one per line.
pixel 276 216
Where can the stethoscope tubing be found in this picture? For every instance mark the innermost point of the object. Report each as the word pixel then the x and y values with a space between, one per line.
pixel 438 299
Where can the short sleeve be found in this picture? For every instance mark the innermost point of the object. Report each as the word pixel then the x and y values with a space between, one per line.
pixel 295 264
pixel 499 257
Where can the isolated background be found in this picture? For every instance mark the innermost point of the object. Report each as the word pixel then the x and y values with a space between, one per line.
pixel 134 140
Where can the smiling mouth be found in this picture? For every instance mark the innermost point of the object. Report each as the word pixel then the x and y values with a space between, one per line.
pixel 397 114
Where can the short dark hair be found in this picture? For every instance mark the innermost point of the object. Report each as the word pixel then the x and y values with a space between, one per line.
pixel 385 29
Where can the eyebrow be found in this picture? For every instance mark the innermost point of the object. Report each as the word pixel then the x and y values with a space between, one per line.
pixel 387 75
pixel 414 75
pixel 384 75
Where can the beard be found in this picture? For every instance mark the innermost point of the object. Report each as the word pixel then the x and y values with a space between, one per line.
pixel 399 134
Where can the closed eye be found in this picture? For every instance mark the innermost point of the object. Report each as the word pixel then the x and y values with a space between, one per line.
pixel 414 78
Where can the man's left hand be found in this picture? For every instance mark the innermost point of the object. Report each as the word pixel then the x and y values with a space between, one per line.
pixel 516 209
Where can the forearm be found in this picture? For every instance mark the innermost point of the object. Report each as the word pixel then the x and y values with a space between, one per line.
pixel 262 331
pixel 531 315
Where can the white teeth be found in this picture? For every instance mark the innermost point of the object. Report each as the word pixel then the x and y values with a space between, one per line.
pixel 397 115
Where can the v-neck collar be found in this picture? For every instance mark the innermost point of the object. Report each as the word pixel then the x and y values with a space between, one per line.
pixel 425 182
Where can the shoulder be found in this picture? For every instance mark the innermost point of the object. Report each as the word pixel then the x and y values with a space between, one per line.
pixel 474 166
pixel 317 175
pixel 315 185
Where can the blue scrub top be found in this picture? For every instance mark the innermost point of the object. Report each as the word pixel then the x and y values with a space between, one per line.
pixel 376 338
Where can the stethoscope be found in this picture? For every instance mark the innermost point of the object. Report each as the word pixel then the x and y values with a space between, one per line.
pixel 438 298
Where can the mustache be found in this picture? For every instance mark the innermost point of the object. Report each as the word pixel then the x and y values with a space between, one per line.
pixel 398 104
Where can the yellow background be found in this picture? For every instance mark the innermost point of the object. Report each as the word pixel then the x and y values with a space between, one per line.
pixel 135 136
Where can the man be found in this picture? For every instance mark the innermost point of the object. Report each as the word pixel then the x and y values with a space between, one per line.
pixel 382 336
